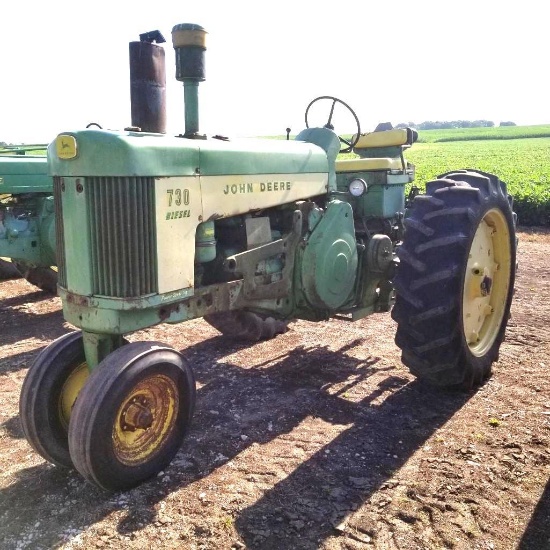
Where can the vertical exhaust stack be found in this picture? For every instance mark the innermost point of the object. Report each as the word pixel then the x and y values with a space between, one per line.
pixel 148 83
pixel 189 41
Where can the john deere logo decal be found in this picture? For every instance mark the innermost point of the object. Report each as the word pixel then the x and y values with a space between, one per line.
pixel 66 147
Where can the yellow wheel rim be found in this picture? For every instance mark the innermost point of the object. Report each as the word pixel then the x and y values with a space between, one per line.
pixel 486 282
pixel 70 390
pixel 145 419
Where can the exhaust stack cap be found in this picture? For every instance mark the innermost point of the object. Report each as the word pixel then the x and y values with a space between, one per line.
pixel 152 37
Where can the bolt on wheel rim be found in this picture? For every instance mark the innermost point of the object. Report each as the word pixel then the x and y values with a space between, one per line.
pixel 486 282
pixel 145 419
pixel 69 392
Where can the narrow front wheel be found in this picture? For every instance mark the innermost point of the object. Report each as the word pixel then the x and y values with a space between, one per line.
pixel 49 392
pixel 132 415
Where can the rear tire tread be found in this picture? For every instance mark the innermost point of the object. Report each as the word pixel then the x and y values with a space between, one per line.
pixel 439 230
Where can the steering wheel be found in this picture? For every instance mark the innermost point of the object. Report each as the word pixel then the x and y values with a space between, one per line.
pixel 335 100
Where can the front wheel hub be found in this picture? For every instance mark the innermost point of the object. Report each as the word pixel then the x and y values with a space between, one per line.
pixel 137 415
pixel 145 420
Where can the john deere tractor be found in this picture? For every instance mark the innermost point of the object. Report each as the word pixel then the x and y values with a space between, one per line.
pixel 249 234
pixel 27 234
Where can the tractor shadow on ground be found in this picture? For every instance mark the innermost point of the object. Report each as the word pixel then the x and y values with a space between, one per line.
pixel 341 476
pixel 33 296
pixel 18 361
pixel 20 324
pixel 13 428
pixel 537 533
pixel 261 403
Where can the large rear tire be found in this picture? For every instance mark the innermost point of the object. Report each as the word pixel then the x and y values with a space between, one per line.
pixel 245 325
pixel 45 278
pixel 455 279
pixel 8 270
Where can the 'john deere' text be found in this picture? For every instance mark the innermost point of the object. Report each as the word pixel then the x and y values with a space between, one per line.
pixel 261 187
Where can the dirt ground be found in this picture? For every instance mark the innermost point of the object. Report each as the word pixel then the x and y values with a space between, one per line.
pixel 319 438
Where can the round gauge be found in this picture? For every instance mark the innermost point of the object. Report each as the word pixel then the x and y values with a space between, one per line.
pixel 357 187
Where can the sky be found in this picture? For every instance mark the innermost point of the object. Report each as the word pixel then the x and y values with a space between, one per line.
pixel 65 64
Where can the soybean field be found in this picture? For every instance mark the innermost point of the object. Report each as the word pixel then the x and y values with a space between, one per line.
pixel 519 155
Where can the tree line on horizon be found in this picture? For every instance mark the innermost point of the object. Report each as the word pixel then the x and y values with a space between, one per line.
pixel 426 125
pixel 452 124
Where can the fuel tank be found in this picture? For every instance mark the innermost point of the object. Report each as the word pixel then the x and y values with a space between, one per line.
pixel 234 175
pixel 148 154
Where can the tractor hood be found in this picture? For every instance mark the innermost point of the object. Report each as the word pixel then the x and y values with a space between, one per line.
pixel 23 173
pixel 156 155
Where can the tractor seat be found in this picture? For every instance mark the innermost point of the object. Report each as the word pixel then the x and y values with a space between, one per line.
pixel 397 137
pixel 368 164
pixel 393 141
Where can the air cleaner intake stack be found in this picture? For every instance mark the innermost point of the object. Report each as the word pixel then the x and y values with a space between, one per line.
pixel 189 41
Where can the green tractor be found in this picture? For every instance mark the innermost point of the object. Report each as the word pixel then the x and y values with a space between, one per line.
pixel 27 223
pixel 249 234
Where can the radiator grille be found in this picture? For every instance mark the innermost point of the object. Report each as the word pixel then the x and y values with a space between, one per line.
pixel 121 212
pixel 59 239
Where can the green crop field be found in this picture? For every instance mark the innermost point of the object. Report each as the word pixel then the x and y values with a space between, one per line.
pixel 522 162
pixel 519 155
pixel 470 134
